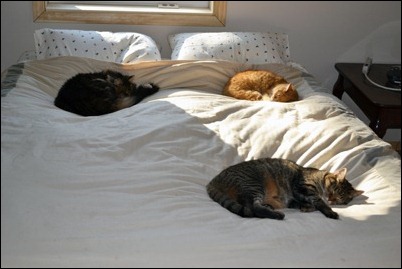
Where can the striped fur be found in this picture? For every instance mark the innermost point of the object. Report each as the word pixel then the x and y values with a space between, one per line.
pixel 258 188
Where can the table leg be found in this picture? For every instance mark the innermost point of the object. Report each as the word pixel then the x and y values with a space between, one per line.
pixel 378 127
pixel 338 89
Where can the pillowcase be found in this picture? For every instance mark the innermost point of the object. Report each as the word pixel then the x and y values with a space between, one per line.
pixel 106 46
pixel 243 47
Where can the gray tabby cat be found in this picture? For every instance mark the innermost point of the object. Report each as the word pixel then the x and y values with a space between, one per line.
pixel 257 188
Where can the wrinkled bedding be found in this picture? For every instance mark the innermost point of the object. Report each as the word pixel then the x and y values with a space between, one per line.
pixel 127 189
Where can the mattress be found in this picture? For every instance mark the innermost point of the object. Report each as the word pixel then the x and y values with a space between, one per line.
pixel 127 189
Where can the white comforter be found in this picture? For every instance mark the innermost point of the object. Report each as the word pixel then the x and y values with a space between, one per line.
pixel 127 189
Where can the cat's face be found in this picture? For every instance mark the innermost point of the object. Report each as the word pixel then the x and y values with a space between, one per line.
pixel 340 191
pixel 125 92
pixel 113 91
pixel 284 93
pixel 121 84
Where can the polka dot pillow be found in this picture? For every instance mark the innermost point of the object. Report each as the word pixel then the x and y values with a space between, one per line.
pixel 106 46
pixel 243 47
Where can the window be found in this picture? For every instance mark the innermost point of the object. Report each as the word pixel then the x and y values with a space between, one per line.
pixel 205 13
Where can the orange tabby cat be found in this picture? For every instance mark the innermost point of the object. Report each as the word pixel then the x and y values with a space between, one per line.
pixel 260 85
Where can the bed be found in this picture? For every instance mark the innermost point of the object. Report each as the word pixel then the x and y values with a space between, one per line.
pixel 127 189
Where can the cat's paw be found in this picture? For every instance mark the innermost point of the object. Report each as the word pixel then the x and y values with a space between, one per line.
pixel 255 96
pixel 151 87
pixel 332 215
pixel 279 215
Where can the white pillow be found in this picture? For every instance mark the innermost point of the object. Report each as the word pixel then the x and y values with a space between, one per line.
pixel 106 46
pixel 243 47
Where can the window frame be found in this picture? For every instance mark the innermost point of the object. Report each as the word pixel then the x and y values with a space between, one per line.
pixel 217 16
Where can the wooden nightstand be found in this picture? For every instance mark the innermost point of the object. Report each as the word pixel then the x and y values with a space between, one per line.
pixel 382 107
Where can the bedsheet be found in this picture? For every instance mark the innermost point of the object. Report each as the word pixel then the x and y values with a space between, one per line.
pixel 127 189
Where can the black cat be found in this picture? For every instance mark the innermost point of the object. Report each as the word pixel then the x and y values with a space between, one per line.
pixel 94 94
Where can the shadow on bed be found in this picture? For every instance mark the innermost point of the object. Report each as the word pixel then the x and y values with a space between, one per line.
pixel 127 189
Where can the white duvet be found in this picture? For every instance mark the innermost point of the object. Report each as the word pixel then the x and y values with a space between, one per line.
pixel 127 189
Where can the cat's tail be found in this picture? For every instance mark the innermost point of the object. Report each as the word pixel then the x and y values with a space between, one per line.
pixel 229 203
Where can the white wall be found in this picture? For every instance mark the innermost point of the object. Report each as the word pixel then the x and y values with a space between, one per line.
pixel 321 33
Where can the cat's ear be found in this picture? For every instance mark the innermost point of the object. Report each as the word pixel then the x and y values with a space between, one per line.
pixel 109 77
pixel 289 88
pixel 357 193
pixel 341 173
